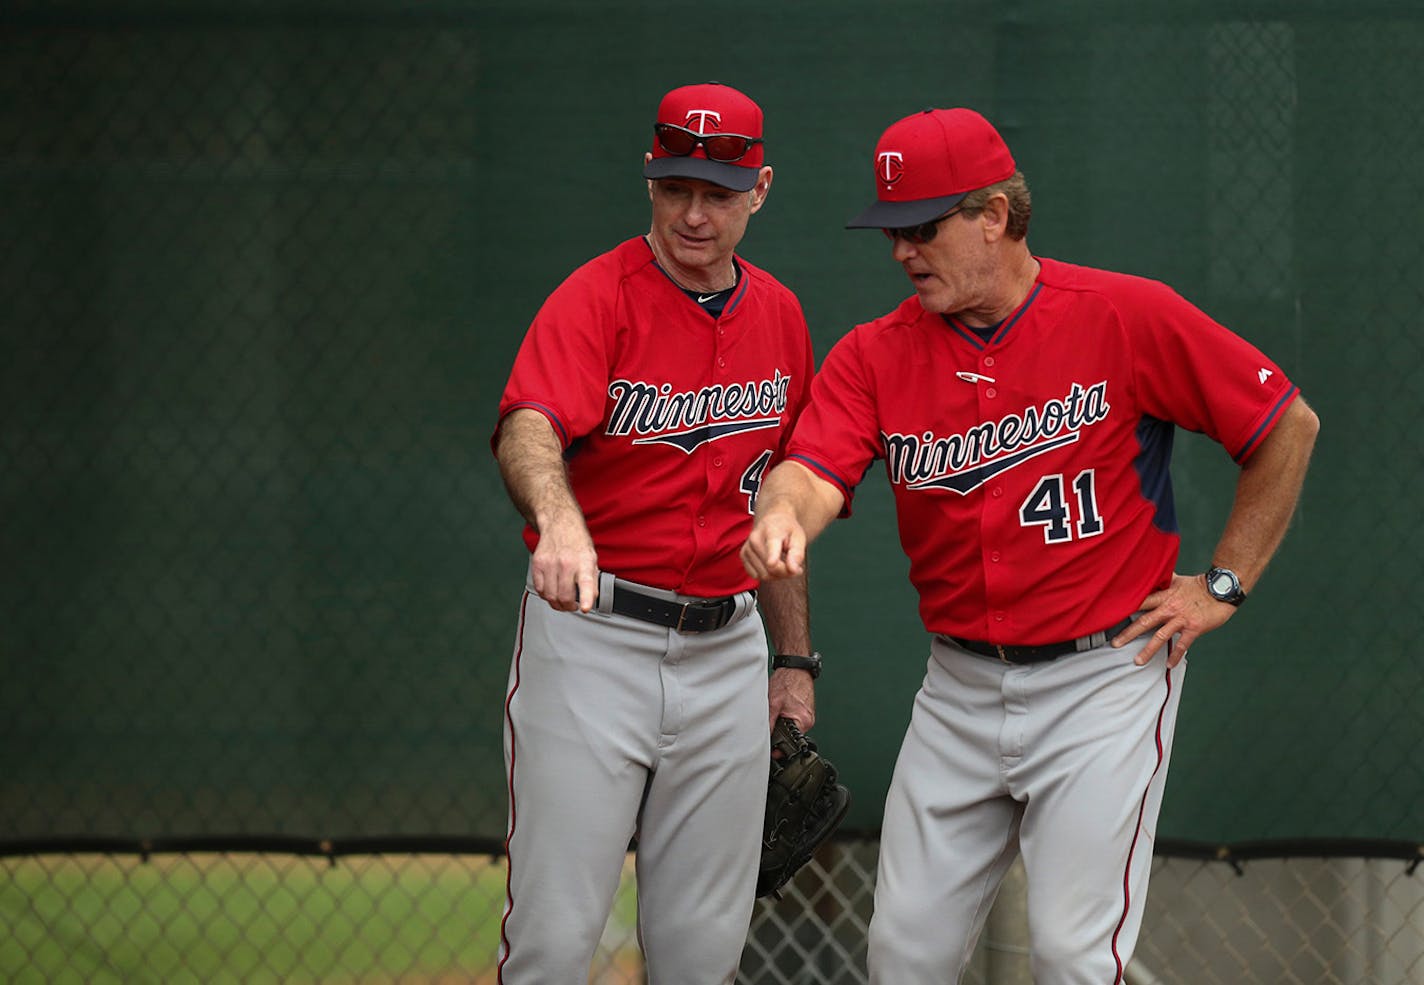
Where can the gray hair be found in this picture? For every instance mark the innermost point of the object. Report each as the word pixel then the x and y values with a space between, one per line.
pixel 1015 189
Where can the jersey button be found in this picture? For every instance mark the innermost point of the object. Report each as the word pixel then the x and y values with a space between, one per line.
pixel 721 362
pixel 994 556
pixel 998 492
pixel 991 393
pixel 702 521
pixel 716 463
pixel 998 617
pixel 988 360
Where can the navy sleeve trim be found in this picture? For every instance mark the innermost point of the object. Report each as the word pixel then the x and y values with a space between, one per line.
pixel 548 412
pixel 825 472
pixel 1253 442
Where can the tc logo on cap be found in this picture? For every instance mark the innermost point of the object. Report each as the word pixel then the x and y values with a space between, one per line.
pixel 699 119
pixel 890 165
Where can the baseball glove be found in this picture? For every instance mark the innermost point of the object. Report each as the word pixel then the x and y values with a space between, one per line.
pixel 804 803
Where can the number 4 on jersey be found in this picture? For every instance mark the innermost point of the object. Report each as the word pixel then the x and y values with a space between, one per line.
pixel 1047 506
pixel 751 479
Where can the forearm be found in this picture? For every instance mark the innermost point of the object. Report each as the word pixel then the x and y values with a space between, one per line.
pixel 565 563
pixel 793 506
pixel 785 608
pixel 1266 496
pixel 531 463
pixel 791 692
pixel 792 489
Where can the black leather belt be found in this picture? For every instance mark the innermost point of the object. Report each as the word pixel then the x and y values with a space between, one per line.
pixel 701 616
pixel 1042 652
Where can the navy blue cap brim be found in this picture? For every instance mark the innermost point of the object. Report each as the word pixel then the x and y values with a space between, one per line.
pixel 733 176
pixel 898 215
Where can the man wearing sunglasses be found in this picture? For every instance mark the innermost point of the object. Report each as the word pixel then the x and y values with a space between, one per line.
pixel 1024 408
pixel 652 392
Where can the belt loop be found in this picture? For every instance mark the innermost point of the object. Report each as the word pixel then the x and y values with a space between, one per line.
pixel 606 587
pixel 742 603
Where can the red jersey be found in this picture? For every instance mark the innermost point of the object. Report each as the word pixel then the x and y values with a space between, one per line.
pixel 1030 470
pixel 669 417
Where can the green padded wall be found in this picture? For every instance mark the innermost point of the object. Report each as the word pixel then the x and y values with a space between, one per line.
pixel 264 268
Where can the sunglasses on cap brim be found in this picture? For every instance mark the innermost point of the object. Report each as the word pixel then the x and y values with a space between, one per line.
pixel 922 233
pixel 724 148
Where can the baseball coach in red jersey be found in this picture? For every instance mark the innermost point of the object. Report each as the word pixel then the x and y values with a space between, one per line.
pixel 1024 409
pixel 654 389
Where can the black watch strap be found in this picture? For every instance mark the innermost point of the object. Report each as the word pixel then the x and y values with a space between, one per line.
pixel 811 664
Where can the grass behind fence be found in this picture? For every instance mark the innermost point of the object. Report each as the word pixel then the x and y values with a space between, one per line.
pixel 262 918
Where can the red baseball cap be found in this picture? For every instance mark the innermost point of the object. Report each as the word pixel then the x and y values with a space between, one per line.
pixel 708 109
pixel 926 163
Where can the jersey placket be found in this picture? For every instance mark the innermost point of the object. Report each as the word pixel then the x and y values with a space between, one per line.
pixel 714 457
pixel 995 514
pixel 998 516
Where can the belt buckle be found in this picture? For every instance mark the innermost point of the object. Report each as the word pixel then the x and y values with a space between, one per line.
pixel 721 609
pixel 1002 655
pixel 682 617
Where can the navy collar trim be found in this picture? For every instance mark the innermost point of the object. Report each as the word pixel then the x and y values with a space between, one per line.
pixel 1001 333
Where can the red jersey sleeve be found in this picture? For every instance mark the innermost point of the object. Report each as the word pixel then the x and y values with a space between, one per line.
pixel 1196 373
pixel 838 434
pixel 563 364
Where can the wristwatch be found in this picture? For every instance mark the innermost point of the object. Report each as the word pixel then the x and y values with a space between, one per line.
pixel 811 664
pixel 1224 586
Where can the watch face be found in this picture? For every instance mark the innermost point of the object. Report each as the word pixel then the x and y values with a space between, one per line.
pixel 1222 584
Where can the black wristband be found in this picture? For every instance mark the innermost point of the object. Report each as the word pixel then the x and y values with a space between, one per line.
pixel 811 664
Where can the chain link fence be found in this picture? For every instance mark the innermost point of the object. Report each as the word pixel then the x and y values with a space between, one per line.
pixel 431 917
pixel 263 269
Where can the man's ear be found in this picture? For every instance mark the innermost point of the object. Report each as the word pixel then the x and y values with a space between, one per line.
pixel 762 188
pixel 995 217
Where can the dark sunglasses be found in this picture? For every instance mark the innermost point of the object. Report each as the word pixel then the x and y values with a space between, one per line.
pixel 924 232
pixel 722 147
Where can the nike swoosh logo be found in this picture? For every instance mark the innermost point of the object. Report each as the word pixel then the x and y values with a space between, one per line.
pixel 704 298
